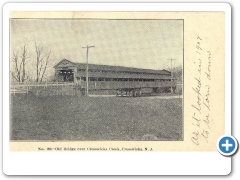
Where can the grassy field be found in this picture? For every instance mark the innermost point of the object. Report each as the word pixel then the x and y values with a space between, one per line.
pixel 95 118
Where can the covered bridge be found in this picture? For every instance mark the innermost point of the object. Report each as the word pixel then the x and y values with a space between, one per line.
pixel 102 77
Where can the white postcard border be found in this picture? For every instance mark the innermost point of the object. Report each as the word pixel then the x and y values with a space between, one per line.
pixel 99 163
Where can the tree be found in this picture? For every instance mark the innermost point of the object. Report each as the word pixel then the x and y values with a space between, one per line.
pixel 24 57
pixel 19 71
pixel 42 62
pixel 177 74
pixel 17 68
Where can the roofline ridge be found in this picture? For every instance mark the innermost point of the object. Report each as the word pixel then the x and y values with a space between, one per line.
pixel 127 68
pixel 121 66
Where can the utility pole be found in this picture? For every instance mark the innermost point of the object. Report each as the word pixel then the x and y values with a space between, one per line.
pixel 171 73
pixel 87 47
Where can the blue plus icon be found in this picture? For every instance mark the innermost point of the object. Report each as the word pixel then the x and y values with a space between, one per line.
pixel 227 145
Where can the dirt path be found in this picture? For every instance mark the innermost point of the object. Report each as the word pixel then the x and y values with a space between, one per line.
pixel 96 95
pixel 148 97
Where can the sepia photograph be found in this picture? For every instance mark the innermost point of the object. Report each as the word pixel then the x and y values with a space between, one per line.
pixel 88 79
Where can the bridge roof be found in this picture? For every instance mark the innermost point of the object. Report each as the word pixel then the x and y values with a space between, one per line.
pixel 66 63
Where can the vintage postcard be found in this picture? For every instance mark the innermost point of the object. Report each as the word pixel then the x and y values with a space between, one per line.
pixel 114 81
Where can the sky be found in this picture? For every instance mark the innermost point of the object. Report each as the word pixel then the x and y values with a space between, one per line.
pixel 131 43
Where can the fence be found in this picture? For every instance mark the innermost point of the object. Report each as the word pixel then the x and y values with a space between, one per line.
pixel 69 88
pixel 49 88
